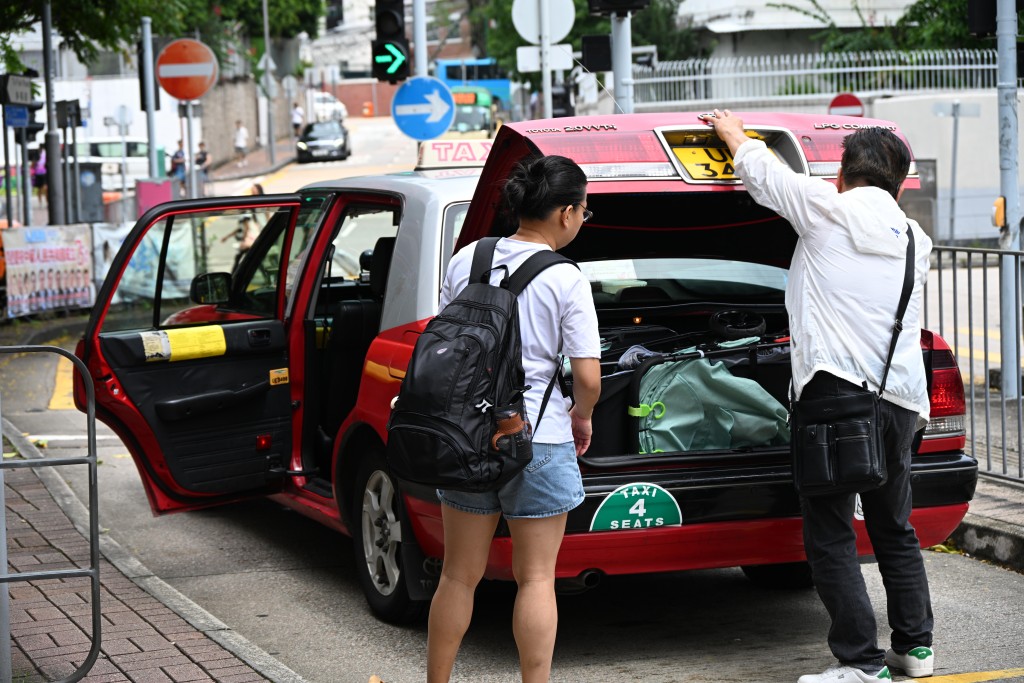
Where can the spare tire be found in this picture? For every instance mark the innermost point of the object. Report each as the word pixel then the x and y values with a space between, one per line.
pixel 737 324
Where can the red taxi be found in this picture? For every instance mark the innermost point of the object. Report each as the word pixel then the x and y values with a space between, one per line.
pixel 232 373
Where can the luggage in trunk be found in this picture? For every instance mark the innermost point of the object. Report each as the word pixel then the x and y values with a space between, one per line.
pixel 716 396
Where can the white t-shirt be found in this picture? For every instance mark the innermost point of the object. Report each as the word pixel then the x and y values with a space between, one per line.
pixel 297 115
pixel 845 279
pixel 241 137
pixel 556 315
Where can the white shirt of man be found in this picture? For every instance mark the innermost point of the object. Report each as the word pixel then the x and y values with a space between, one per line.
pixel 297 115
pixel 558 298
pixel 845 279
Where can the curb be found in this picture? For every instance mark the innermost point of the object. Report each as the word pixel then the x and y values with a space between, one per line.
pixel 990 539
pixel 210 626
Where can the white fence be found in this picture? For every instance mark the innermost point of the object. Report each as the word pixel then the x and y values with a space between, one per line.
pixel 807 78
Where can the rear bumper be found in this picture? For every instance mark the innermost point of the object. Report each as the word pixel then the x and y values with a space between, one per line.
pixel 747 516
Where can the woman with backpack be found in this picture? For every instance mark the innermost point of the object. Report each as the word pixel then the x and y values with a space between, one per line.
pixel 546 199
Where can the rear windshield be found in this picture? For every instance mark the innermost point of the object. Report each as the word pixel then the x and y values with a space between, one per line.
pixel 674 280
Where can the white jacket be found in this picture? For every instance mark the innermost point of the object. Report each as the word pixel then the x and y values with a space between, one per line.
pixel 845 279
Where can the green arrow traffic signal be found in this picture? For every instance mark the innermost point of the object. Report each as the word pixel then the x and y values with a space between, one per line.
pixel 396 58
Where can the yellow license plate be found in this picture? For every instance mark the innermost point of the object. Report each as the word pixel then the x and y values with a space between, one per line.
pixel 706 163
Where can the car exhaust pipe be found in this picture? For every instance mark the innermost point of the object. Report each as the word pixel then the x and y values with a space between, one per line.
pixel 587 579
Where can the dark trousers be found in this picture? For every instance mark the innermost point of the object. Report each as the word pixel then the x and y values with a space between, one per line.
pixel 830 542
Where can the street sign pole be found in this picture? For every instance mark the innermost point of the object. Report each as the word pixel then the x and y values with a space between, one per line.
pixel 545 55
pixel 54 174
pixel 7 174
pixel 1009 239
pixel 149 88
pixel 419 38
pixel 192 194
pixel 269 76
pixel 26 184
pixel 622 60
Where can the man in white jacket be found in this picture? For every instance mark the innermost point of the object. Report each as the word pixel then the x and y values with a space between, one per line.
pixel 843 291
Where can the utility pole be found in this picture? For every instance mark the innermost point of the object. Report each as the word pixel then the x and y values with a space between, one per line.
pixel 149 93
pixel 54 172
pixel 268 77
pixel 622 60
pixel 1009 240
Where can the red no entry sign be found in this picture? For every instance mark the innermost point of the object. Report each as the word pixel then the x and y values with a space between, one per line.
pixel 186 69
pixel 846 104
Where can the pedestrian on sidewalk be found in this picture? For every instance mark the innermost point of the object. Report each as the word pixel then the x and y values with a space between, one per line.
pixel 39 176
pixel 177 171
pixel 202 163
pixel 846 230
pixel 241 143
pixel 547 200
pixel 298 117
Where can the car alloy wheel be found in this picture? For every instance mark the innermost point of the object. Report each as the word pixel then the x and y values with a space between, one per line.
pixel 381 532
pixel 377 543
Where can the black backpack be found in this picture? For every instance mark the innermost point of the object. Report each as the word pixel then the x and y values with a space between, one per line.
pixel 459 421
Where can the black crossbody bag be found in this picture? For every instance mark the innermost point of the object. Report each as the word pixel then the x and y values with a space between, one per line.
pixel 836 442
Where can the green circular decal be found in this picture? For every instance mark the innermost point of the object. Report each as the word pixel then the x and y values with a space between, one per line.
pixel 637 506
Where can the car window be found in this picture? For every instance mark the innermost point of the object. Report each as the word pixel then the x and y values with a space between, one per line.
pixel 454 218
pixel 360 229
pixel 247 243
pixel 325 130
pixel 670 280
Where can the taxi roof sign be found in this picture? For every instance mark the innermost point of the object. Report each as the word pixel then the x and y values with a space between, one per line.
pixel 434 154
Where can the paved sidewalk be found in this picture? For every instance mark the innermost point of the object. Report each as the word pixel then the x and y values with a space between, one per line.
pixel 257 162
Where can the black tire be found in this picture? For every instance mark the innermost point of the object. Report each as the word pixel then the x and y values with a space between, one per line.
pixel 789 576
pixel 377 514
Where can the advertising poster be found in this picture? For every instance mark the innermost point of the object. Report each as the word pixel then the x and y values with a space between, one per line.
pixel 48 268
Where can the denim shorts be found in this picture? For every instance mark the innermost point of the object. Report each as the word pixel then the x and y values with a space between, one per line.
pixel 550 485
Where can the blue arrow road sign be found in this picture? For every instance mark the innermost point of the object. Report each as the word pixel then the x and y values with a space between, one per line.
pixel 16 115
pixel 423 108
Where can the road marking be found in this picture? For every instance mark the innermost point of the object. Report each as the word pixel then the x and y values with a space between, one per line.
pixel 63 387
pixel 976 677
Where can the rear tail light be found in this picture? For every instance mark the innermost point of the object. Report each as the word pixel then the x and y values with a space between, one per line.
pixel 611 154
pixel 948 404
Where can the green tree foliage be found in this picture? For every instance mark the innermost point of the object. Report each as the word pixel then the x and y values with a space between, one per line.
pixel 926 25
pixel 87 26
pixel 938 25
pixel 659 25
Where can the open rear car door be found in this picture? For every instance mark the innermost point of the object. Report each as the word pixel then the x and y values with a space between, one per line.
pixel 188 345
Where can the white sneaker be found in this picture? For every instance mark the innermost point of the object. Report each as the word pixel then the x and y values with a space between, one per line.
pixel 846 674
pixel 919 662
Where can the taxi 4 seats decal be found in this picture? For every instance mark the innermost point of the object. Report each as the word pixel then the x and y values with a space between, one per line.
pixel 637 506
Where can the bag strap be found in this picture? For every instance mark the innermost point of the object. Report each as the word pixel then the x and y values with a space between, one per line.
pixel 908 286
pixel 483 256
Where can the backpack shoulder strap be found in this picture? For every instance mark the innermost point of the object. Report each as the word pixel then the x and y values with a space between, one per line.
pixel 483 257
pixel 532 267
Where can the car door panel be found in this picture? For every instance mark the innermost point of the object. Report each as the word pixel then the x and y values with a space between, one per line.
pixel 223 421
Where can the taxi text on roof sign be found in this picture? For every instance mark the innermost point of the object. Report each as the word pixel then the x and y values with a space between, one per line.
pixel 453 153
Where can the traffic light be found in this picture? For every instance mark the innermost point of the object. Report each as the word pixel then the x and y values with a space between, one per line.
pixel 981 18
pixel 606 7
pixel 34 127
pixel 390 49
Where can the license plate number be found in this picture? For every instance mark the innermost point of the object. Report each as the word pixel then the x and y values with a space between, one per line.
pixel 707 163
pixel 321 152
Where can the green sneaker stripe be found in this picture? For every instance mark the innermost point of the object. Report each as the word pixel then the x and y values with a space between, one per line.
pixel 921 653
pixel 884 674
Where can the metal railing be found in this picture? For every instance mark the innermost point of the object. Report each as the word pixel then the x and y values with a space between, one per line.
pixel 963 300
pixel 93 570
pixel 808 78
